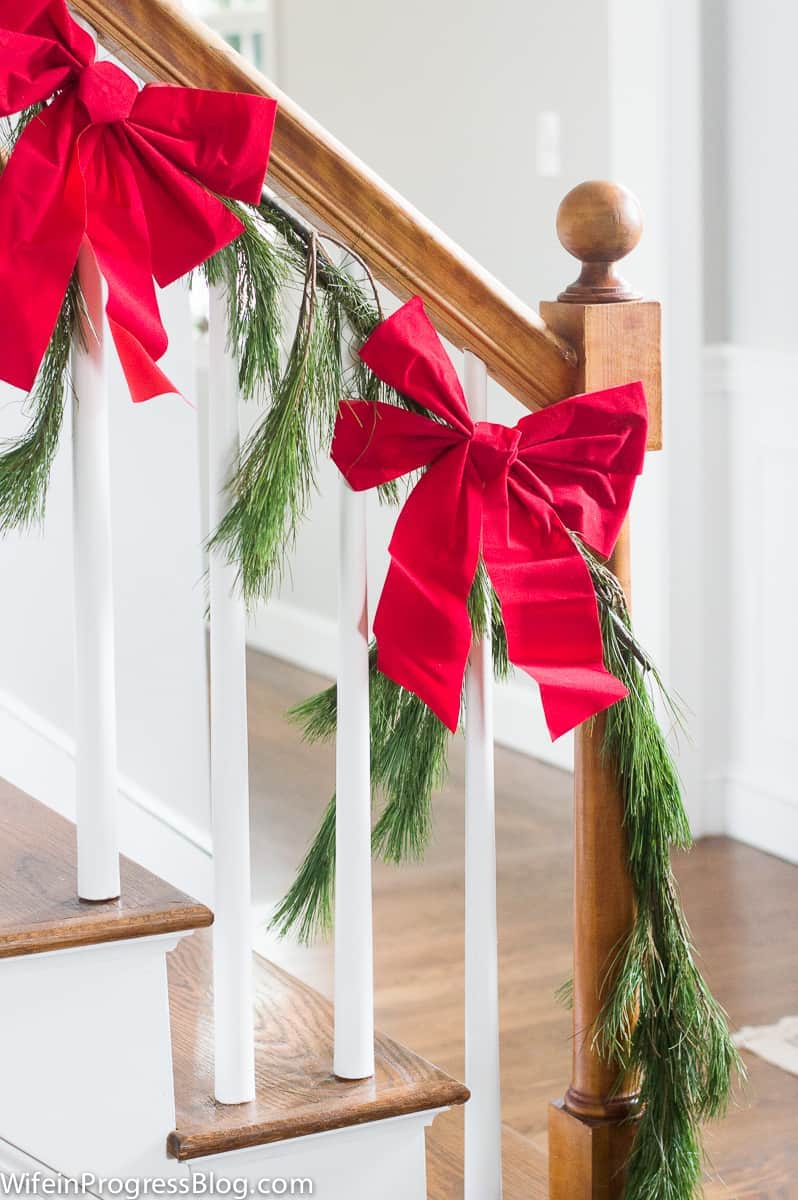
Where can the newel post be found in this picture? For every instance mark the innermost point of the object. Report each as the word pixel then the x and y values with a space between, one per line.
pixel 617 336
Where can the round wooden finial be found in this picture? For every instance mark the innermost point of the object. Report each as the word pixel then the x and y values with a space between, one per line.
pixel 599 223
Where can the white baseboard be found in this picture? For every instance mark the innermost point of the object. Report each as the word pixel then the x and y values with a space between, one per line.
pixel 39 759
pixel 763 820
pixel 310 641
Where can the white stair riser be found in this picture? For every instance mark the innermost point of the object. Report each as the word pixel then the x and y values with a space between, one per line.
pixel 87 1059
pixel 380 1160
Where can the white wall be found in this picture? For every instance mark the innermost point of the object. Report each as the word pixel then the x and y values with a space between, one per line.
pixel 752 435
pixel 159 604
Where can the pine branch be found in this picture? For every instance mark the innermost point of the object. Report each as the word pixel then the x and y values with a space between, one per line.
pixel 11 128
pixel 660 1023
pixel 485 612
pixel 307 907
pixel 25 462
pixel 408 763
pixel 254 270
pixel 276 476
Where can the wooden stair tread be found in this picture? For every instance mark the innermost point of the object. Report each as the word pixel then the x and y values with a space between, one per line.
pixel 524 1163
pixel 296 1091
pixel 39 908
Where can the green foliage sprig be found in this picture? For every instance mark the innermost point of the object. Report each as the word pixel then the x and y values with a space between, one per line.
pixel 660 1024
pixel 25 462
pixel 408 763
pixel 276 475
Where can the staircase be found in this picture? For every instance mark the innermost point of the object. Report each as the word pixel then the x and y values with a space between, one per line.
pixel 88 1015
pixel 122 1020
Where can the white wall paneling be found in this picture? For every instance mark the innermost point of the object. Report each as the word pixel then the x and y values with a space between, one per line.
pixel 752 490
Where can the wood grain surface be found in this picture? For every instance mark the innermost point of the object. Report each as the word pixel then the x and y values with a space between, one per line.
pixel 297 1093
pixel 742 906
pixel 39 907
pixel 341 194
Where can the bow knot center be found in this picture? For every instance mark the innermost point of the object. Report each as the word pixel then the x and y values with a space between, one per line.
pixel 107 92
pixel 494 448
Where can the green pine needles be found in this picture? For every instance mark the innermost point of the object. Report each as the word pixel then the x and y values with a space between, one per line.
pixel 275 480
pixel 660 1024
pixel 25 462
pixel 408 763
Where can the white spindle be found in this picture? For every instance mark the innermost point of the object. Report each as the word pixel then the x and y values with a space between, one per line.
pixel 354 971
pixel 95 697
pixel 483 1162
pixel 232 932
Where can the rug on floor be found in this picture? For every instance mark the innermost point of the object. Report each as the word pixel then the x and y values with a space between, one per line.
pixel 777 1044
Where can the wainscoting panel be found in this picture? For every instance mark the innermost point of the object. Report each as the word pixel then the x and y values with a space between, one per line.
pixel 752 403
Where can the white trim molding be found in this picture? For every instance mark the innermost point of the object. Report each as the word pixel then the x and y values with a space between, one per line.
pixel 750 580
pixel 39 758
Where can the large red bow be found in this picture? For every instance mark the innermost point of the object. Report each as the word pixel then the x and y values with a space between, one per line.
pixel 127 169
pixel 514 494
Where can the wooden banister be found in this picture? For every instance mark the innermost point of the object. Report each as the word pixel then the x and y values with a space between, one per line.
pixel 323 180
pixel 590 1131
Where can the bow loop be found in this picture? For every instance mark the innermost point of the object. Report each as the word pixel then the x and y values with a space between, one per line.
pixel 512 494
pixel 106 92
pixel 41 50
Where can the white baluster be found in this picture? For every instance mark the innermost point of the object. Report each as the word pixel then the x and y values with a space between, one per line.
pixel 354 970
pixel 95 695
pixel 232 932
pixel 483 1160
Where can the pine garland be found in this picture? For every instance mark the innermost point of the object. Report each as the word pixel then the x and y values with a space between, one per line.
pixel 276 476
pixel 408 763
pixel 254 270
pixel 660 1023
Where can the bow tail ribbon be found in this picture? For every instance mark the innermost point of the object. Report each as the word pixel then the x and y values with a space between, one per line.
pixel 421 625
pixel 548 606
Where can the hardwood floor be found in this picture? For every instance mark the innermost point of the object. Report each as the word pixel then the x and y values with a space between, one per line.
pixel 742 907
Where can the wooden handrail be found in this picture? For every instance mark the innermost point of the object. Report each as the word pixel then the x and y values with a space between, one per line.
pixel 339 193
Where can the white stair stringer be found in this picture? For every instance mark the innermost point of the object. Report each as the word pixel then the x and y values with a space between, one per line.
pixel 378 1160
pixel 87 1059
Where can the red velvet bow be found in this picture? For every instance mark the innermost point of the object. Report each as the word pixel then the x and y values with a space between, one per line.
pixel 514 494
pixel 124 168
